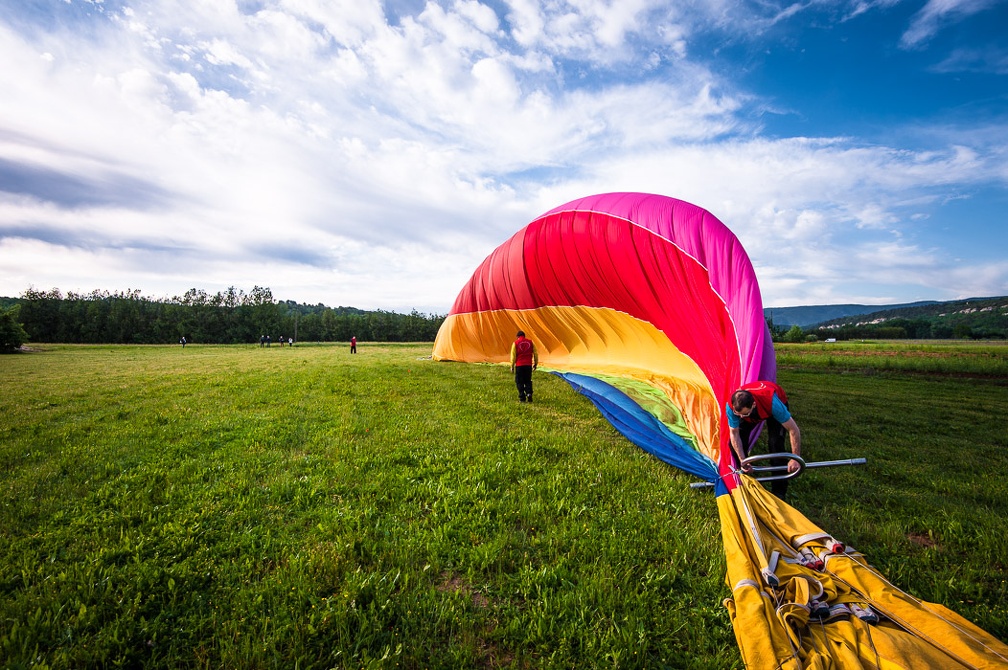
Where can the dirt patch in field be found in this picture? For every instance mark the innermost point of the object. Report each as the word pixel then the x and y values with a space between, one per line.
pixel 490 655
pixel 456 584
pixel 923 540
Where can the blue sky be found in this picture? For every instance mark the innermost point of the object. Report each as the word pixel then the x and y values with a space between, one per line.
pixel 364 153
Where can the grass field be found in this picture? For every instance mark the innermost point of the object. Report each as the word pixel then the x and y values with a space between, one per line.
pixel 277 508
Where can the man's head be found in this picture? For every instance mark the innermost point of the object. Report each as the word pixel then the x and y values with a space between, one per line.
pixel 521 333
pixel 743 403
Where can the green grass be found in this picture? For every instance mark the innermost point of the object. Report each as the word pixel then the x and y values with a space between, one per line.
pixel 955 357
pixel 245 507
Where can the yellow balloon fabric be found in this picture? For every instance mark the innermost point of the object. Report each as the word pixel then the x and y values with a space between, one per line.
pixel 776 626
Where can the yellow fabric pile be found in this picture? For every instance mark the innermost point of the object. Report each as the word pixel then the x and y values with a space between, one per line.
pixel 802 600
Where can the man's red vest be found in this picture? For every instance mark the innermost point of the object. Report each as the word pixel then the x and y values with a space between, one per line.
pixel 763 392
pixel 523 352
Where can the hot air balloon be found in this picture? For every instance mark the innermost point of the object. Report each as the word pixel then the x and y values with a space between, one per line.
pixel 646 304
pixel 650 307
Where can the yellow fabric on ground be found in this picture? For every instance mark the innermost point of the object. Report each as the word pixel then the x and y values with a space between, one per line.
pixel 760 634
pixel 775 625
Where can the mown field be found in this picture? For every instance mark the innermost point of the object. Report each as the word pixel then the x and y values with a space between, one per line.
pixel 278 508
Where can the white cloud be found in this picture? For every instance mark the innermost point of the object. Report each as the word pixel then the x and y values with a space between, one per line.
pixel 984 59
pixel 349 22
pixel 594 30
pixel 527 22
pixel 936 14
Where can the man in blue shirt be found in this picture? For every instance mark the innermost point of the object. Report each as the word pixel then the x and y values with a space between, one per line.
pixel 753 405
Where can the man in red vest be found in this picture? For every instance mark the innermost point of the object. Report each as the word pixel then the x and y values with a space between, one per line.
pixel 752 405
pixel 524 359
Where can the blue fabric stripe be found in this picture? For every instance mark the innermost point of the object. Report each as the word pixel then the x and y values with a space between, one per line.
pixel 641 427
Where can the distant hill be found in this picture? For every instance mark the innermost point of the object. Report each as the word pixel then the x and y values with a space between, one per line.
pixel 812 315
pixel 976 318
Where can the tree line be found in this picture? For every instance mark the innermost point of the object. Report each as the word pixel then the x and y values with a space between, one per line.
pixel 235 317
pixel 992 328
pixel 225 317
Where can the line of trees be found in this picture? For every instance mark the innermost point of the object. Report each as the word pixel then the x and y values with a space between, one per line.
pixel 234 317
pixel 226 317
pixel 906 329
pixel 891 329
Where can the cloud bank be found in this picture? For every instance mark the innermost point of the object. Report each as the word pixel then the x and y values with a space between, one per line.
pixel 351 153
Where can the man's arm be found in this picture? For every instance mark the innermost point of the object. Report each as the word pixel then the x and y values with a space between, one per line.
pixel 792 429
pixel 735 437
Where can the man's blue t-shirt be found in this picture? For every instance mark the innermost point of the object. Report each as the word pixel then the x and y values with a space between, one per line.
pixel 778 409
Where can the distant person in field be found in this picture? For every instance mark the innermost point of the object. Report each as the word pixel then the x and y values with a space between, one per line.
pixel 524 359
pixel 182 341
pixel 757 403
pixel 353 344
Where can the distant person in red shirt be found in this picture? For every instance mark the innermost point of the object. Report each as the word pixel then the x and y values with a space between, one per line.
pixel 524 359
pixel 353 344
pixel 754 404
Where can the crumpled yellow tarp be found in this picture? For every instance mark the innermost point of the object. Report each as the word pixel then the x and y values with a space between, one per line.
pixel 800 600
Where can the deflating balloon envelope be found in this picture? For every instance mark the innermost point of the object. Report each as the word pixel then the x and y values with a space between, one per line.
pixel 646 304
